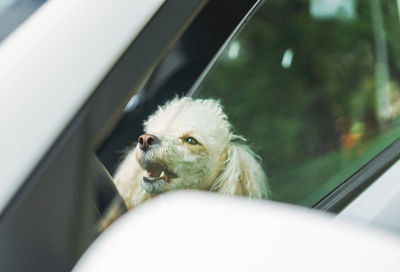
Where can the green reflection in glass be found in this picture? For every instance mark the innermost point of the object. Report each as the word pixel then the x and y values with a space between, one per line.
pixel 307 91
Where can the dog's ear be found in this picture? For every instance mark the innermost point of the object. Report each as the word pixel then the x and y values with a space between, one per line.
pixel 242 173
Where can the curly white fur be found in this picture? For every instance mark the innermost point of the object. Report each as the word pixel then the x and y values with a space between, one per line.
pixel 215 162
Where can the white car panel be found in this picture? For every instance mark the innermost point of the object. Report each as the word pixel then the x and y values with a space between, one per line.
pixel 206 232
pixel 378 205
pixel 49 67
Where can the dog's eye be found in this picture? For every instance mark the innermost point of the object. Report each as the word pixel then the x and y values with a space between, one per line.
pixel 191 140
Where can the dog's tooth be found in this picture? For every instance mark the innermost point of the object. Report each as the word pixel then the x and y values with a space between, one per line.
pixel 163 176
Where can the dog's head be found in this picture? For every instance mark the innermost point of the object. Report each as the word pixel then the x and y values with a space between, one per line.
pixel 189 144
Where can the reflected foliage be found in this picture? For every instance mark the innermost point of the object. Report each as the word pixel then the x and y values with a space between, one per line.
pixel 317 119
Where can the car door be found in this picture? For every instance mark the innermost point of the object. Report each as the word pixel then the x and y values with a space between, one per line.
pixel 312 87
pixel 66 73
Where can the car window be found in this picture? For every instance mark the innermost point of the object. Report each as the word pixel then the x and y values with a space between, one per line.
pixel 314 86
pixel 14 12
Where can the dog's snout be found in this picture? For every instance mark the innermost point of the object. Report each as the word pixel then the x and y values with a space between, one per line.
pixel 146 140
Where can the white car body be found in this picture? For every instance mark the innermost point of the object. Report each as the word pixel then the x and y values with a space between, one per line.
pixel 204 232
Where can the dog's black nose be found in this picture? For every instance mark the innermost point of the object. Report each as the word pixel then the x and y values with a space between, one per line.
pixel 146 140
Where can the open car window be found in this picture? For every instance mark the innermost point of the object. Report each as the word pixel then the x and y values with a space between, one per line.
pixel 314 86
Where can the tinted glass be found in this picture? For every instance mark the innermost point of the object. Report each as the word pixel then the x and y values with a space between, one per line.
pixel 315 88
pixel 14 12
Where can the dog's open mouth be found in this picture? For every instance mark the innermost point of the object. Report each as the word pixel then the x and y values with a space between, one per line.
pixel 155 172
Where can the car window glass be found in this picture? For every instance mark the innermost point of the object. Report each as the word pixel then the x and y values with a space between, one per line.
pixel 14 12
pixel 315 88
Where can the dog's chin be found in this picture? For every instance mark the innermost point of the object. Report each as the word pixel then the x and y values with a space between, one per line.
pixel 154 186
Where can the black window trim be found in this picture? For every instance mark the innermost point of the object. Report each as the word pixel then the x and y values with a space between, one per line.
pixel 346 192
pixel 213 61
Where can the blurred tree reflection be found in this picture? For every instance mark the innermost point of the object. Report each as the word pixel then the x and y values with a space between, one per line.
pixel 313 120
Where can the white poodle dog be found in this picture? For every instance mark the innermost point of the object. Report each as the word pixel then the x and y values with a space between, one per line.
pixel 189 144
